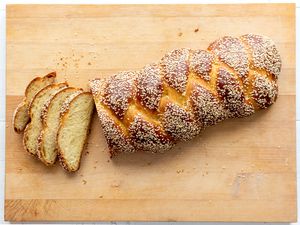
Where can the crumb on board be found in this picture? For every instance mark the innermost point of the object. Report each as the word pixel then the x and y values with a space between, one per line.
pixel 89 63
pixel 84 181
pixel 196 30
pixel 180 171
pixel 87 152
pixel 286 161
pixel 115 184
pixel 180 34
pixel 100 196
pixel 108 160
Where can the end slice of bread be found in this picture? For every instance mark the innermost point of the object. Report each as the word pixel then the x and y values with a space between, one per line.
pixel 47 144
pixel 74 129
pixel 21 114
pixel 33 129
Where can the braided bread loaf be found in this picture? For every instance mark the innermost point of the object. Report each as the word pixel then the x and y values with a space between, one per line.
pixel 186 91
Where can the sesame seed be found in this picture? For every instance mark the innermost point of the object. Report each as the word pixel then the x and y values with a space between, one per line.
pixel 264 53
pixel 265 91
pixel 149 86
pixel 201 63
pixel 179 123
pixel 175 68
pixel 148 137
pixel 232 52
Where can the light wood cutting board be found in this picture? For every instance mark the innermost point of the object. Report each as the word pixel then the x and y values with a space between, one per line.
pixel 239 170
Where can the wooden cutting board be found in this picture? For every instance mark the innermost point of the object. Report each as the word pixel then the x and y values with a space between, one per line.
pixel 239 170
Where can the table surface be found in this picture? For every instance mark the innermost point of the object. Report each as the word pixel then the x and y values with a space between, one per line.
pixel 2 102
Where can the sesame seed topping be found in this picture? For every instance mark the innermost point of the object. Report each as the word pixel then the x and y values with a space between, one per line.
pixel 175 68
pixel 265 91
pixel 231 93
pixel 201 63
pixel 97 86
pixel 264 53
pixel 231 51
pixel 207 108
pixel 119 91
pixel 179 123
pixel 148 137
pixel 226 90
pixel 149 86
pixel 116 139
pixel 65 106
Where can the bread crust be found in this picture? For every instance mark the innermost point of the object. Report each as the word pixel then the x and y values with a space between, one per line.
pixel 21 112
pixel 29 125
pixel 186 91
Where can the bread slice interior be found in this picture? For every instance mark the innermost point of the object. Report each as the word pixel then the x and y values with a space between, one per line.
pixel 47 144
pixel 33 129
pixel 74 129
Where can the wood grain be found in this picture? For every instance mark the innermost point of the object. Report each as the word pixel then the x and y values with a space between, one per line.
pixel 239 170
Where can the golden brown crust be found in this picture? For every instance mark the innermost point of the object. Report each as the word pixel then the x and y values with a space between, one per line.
pixel 27 132
pixel 185 92
pixel 21 114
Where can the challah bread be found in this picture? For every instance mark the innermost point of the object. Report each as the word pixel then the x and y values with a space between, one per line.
pixel 47 144
pixel 73 130
pixel 33 129
pixel 21 115
pixel 186 91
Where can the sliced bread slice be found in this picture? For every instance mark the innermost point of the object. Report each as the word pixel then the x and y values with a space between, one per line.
pixel 33 129
pixel 47 144
pixel 21 115
pixel 73 131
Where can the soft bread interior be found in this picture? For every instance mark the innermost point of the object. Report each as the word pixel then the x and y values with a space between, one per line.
pixel 73 130
pixel 47 141
pixel 34 128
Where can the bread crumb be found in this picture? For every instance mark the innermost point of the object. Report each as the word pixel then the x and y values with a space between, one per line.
pixel 115 184
pixel 149 163
pixel 196 30
pixel 286 161
pixel 180 171
pixel 84 182
pixel 101 196
pixel 96 161
pixel 95 167
pixel 180 34
pixel 223 167
pixel 108 160
pixel 87 152
pixel 89 63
